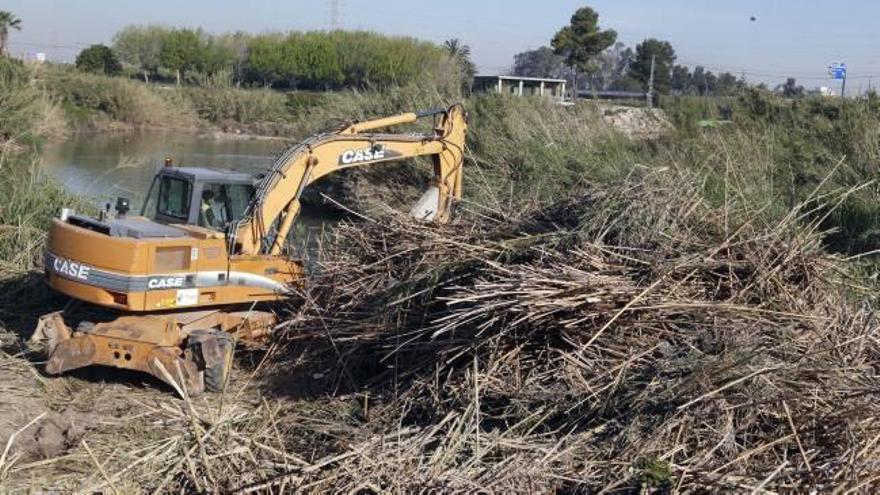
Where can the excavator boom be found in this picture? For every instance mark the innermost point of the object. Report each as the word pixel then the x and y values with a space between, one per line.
pixel 277 197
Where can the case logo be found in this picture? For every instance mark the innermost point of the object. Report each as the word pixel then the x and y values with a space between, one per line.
pixel 371 153
pixel 362 155
pixel 71 269
pixel 158 283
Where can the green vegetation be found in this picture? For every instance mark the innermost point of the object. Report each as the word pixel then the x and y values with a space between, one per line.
pixel 99 59
pixel 16 99
pixel 581 41
pixel 28 199
pixel 776 151
pixel 461 53
pixel 140 46
pixel 7 21
pixel 531 150
pixel 313 60
pixel 98 102
pixel 591 60
pixel 182 50
pixel 653 57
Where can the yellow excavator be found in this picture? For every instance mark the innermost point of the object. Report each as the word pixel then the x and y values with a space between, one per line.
pixel 184 277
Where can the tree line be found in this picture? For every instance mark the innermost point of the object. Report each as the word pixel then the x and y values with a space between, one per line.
pixel 591 58
pixel 297 60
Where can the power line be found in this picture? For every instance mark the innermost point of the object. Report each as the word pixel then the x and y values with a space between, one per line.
pixel 48 45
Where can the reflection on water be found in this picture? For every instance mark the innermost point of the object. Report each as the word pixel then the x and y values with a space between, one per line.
pixel 106 166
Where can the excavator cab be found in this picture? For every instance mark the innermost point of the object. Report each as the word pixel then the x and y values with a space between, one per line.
pixel 210 198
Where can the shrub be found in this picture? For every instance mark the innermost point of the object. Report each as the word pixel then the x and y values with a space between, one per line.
pixel 98 59
pixel 88 97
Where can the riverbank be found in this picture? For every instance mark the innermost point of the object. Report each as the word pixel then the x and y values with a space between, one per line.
pixel 522 150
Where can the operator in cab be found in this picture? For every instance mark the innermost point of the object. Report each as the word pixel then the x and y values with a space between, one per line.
pixel 207 218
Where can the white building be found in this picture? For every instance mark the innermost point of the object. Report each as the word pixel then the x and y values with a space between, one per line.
pixel 522 86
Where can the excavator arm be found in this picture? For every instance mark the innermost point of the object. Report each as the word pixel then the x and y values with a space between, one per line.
pixel 275 206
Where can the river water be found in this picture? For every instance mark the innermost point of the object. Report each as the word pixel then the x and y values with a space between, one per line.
pixel 104 166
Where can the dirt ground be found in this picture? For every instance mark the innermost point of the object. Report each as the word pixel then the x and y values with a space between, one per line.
pixel 114 431
pixel 46 419
pixel 636 122
pixel 46 423
pixel 88 430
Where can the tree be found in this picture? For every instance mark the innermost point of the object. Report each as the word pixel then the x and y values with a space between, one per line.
pixel 140 47
pixel 98 59
pixel 7 21
pixel 541 62
pixel 626 83
pixel 682 80
pixel 213 57
pixel 236 45
pixel 711 83
pixel 663 55
pixel 610 67
pixel 265 59
pixel 790 89
pixel 726 85
pixel 700 81
pixel 461 53
pixel 580 41
pixel 311 59
pixel 181 51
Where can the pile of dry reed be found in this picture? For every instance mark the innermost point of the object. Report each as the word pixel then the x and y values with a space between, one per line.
pixel 633 337
pixel 625 338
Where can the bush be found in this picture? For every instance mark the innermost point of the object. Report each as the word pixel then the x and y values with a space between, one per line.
pixel 223 105
pixel 339 59
pixel 16 100
pixel 89 97
pixel 98 59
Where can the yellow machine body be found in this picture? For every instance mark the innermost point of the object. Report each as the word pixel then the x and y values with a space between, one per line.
pixel 143 275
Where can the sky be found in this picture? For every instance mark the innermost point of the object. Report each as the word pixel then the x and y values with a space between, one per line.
pixel 796 38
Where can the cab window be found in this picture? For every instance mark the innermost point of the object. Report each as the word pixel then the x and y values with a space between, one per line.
pixel 223 204
pixel 174 194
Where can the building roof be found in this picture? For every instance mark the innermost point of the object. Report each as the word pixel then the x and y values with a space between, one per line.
pixel 522 78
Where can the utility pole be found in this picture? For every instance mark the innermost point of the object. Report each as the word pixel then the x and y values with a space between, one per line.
pixel 334 15
pixel 650 94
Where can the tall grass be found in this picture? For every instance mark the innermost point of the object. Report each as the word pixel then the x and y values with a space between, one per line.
pixel 28 198
pixel 98 101
pixel 782 150
pixel 533 149
pixel 27 113
pixel 28 201
pixel 231 105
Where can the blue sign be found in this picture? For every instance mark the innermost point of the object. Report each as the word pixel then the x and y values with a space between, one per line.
pixel 837 71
